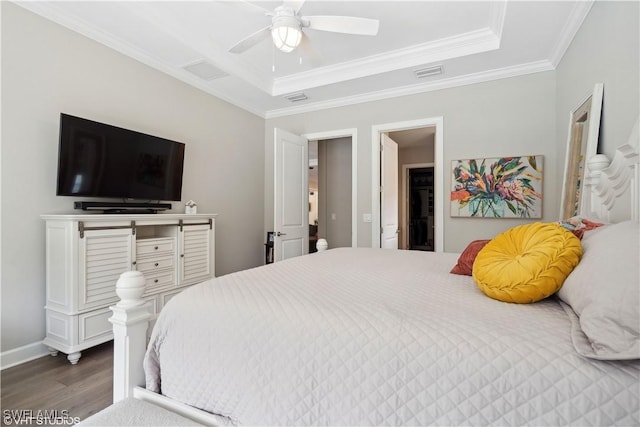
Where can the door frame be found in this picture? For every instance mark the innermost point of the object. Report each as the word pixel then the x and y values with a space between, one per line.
pixel 439 167
pixel 405 196
pixel 342 133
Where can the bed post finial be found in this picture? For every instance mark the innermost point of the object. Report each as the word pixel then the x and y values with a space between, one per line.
pixel 130 321
pixel 322 245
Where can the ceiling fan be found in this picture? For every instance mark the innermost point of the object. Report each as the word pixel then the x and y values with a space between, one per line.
pixel 287 24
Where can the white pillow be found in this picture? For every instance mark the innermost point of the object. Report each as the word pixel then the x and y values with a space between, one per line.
pixel 604 291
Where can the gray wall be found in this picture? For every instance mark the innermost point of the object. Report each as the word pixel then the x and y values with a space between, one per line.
pixel 514 116
pixel 606 50
pixel 47 69
pixel 334 163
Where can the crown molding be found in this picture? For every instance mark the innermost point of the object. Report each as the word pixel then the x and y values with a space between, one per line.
pixel 484 76
pixel 499 14
pixel 478 41
pixel 574 22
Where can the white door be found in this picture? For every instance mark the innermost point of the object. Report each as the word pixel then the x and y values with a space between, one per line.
pixel 291 195
pixel 389 193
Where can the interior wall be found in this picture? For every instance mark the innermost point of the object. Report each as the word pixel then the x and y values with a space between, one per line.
pixel 508 117
pixel 606 50
pixel 334 214
pixel 48 69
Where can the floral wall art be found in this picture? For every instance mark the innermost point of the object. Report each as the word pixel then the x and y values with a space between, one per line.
pixel 505 187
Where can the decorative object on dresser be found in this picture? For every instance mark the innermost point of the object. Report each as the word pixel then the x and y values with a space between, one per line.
pixel 191 207
pixel 87 253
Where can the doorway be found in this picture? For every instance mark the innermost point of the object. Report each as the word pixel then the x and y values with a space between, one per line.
pixel 420 209
pixel 291 191
pixel 330 192
pixel 437 163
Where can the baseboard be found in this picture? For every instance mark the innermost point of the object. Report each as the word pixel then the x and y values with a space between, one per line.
pixel 20 355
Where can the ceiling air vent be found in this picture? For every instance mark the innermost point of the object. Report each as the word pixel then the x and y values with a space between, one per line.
pixel 296 97
pixel 205 70
pixel 428 72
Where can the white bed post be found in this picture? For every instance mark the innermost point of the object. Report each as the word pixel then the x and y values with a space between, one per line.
pixel 130 322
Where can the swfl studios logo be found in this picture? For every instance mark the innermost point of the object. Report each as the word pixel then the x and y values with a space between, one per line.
pixel 39 417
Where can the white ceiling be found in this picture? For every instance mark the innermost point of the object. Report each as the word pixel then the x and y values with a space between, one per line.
pixel 473 41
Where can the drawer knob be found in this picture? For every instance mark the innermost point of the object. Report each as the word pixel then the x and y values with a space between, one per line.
pixel 133 263
pixel 156 248
pixel 155 281
pixel 157 264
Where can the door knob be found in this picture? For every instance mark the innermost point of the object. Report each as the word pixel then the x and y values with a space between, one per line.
pixel 280 234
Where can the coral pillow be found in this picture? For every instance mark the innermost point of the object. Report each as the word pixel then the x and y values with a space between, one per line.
pixel 527 263
pixel 467 257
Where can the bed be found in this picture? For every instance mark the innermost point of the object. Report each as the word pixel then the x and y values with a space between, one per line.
pixel 359 336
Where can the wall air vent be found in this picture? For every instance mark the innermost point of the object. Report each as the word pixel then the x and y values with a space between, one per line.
pixel 428 72
pixel 205 70
pixel 296 97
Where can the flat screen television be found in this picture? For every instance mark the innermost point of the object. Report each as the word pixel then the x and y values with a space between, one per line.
pixel 100 160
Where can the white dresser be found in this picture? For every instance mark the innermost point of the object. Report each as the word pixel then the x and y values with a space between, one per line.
pixel 87 253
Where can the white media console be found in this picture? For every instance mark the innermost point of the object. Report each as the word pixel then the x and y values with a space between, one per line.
pixel 86 254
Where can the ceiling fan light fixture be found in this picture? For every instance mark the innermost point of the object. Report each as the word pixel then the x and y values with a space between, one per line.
pixel 286 36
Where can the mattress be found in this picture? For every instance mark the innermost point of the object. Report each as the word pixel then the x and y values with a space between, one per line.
pixel 378 337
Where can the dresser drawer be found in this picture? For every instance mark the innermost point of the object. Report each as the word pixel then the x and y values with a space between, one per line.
pixel 150 247
pixel 153 264
pixel 159 280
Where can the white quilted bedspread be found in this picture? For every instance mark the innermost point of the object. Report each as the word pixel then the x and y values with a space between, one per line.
pixel 376 337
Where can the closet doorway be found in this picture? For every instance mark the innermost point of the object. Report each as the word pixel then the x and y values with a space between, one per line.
pixel 420 208
pixel 383 206
pixel 332 199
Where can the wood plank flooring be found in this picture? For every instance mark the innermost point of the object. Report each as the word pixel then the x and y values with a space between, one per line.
pixel 52 383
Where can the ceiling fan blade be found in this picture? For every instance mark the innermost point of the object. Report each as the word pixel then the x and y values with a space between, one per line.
pixel 251 41
pixel 342 24
pixel 294 4
pixel 308 50
pixel 249 7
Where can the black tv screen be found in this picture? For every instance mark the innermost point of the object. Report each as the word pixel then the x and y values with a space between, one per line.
pixel 100 160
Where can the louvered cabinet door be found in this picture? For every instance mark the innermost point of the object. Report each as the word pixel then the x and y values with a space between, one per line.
pixel 103 256
pixel 195 254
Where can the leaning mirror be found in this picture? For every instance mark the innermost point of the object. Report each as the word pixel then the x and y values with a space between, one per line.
pixel 582 144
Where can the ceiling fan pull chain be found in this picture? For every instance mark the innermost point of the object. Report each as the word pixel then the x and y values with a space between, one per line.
pixel 273 58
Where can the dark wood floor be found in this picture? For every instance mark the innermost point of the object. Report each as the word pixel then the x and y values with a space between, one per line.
pixel 53 384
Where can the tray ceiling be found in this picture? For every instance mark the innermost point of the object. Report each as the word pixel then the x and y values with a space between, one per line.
pixel 468 42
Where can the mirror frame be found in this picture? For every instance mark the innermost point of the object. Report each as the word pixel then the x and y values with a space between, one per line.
pixel 582 144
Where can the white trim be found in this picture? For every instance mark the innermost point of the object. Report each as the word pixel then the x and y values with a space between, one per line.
pixel 574 22
pixel 342 133
pixel 473 42
pixel 20 355
pixel 468 79
pixel 499 14
pixel 405 198
pixel 439 168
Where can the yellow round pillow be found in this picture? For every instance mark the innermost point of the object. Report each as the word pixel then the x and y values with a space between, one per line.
pixel 527 263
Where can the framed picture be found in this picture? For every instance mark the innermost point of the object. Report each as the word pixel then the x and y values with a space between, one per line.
pixel 582 144
pixel 504 187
